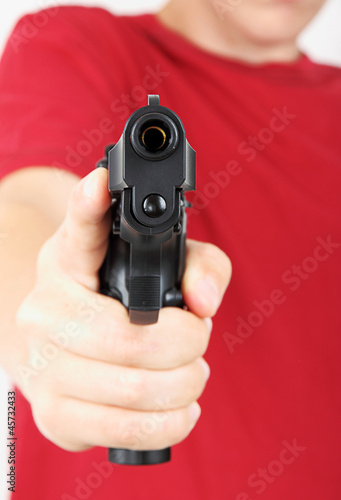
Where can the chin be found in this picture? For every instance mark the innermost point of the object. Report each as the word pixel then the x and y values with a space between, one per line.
pixel 267 21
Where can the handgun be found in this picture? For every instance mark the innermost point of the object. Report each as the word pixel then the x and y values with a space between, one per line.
pixel 149 169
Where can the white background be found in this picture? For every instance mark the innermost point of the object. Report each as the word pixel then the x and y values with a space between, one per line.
pixel 321 41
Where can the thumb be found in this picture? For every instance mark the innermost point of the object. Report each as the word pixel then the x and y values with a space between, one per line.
pixel 81 241
pixel 207 275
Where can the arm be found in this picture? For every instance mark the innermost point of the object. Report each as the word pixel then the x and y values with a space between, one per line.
pixel 32 205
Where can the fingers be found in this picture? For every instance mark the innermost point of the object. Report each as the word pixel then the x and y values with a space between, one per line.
pixel 90 424
pixel 130 388
pixel 98 327
pixel 207 275
pixel 98 379
pixel 81 241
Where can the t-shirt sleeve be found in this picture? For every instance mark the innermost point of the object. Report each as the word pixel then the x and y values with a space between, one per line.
pixel 56 91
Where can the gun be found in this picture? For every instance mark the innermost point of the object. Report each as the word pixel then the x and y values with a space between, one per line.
pixel 150 168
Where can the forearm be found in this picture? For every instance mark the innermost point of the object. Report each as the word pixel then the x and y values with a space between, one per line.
pixel 23 230
pixel 33 203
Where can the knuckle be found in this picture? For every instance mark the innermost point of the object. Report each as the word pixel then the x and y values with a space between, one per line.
pixel 133 391
pixel 193 384
pixel 195 336
pixel 199 386
pixel 36 315
pixel 53 375
pixel 47 416
pixel 132 347
pixel 114 339
pixel 226 266
pixel 202 338
pixel 177 427
pixel 21 316
pixel 151 430
pixel 127 433
pixel 44 414
pixel 29 312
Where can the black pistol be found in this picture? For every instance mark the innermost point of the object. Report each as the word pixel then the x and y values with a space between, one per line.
pixel 150 168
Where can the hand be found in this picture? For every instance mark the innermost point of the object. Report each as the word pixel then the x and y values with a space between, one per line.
pixel 93 378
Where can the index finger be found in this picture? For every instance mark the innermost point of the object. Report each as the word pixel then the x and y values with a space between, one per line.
pixel 177 338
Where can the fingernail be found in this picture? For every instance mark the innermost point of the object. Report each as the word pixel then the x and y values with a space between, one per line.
pixel 194 411
pixel 89 185
pixel 209 291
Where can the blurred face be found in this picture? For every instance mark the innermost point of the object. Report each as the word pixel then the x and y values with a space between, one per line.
pixel 266 20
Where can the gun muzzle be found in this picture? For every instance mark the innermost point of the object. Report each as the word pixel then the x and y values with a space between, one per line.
pixel 154 137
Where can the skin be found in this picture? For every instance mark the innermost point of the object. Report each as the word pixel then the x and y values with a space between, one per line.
pixel 253 31
pixel 108 378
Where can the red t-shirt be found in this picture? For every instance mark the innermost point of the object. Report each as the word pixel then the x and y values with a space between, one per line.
pixel 269 194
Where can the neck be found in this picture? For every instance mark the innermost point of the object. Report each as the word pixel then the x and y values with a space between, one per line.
pixel 199 23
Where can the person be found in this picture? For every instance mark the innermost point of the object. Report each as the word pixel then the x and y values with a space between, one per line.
pixel 264 120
